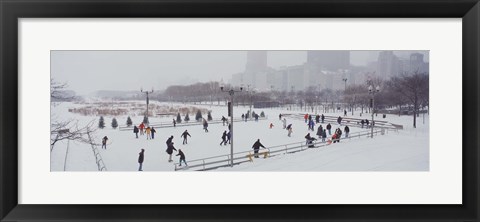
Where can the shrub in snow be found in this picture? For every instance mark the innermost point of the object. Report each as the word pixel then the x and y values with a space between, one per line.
pixel 179 118
pixel 145 119
pixel 101 123
pixel 262 114
pixel 129 121
pixel 114 123
pixel 198 117
pixel 187 118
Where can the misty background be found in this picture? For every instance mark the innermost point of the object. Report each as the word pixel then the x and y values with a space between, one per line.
pixel 86 72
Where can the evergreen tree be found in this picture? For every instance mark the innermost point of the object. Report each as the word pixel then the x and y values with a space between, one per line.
pixel 101 123
pixel 187 118
pixel 253 114
pixel 209 116
pixel 179 118
pixel 198 117
pixel 114 123
pixel 145 119
pixel 262 114
pixel 129 121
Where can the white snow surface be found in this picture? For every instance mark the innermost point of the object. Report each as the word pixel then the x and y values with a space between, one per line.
pixel 405 150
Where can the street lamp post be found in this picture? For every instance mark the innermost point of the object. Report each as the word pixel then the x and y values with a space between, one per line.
pixel 345 80
pixel 372 90
pixel 146 92
pixel 231 92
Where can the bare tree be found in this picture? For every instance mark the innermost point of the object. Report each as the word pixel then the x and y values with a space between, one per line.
pixel 66 129
pixel 414 88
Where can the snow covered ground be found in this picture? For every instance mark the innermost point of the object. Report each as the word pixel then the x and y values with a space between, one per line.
pixel 405 150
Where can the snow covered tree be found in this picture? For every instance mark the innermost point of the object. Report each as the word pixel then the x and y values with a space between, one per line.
pixel 145 119
pixel 262 114
pixel 129 121
pixel 187 118
pixel 114 123
pixel 179 118
pixel 209 116
pixel 198 117
pixel 101 123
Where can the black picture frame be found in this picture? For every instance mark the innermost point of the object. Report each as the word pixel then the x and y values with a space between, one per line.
pixel 12 10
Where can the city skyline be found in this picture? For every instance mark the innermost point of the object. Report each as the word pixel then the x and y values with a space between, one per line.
pixel 130 70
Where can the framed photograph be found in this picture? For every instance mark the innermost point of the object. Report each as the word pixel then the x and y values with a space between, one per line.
pixel 223 110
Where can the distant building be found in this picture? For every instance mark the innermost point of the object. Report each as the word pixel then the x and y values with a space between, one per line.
pixel 330 60
pixel 388 65
pixel 417 64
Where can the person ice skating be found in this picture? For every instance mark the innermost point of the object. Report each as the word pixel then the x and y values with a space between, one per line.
pixel 323 118
pixel 347 130
pixel 135 130
pixel 329 128
pixel 312 125
pixel 367 122
pixel 182 157
pixel 104 142
pixel 169 140
pixel 305 117
pixel 256 147
pixel 140 159
pixel 224 138
pixel 170 150
pixel 280 116
pixel 229 137
pixel 256 117
pixel 319 131
pixel 324 135
pixel 148 131
pixel 334 138
pixel 141 127
pixel 362 122
pixel 185 134
pixel 309 140
pixel 153 131
pixel 339 120
pixel 338 131
pixel 205 125
pixel 243 116
pixel 224 120
pixel 317 118
pixel 289 129
pixel 271 125
pixel 246 117
pixel 284 123
pixel 174 123
pixel 344 112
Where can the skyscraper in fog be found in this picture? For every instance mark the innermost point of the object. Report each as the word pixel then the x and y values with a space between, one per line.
pixel 329 60
pixel 256 61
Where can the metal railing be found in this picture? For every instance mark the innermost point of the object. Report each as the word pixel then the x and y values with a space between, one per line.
pixel 351 121
pixel 215 162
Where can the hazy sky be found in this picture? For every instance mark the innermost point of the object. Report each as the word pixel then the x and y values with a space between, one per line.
pixel 88 71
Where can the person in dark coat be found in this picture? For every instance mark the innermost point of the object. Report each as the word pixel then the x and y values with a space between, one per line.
pixel 104 142
pixel 323 118
pixel 256 117
pixel 367 122
pixel 153 131
pixel 135 130
pixel 140 159
pixel 289 129
pixel 309 140
pixel 229 136
pixel 184 135
pixel 224 138
pixel 182 157
pixel 317 118
pixel 169 140
pixel 344 112
pixel 205 125
pixel 174 123
pixel 243 116
pixel 362 122
pixel 224 120
pixel 339 120
pixel 347 130
pixel 329 128
pixel 280 116
pixel 324 135
pixel 170 150
pixel 319 131
pixel 256 147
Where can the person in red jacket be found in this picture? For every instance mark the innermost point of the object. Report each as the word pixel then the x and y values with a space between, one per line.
pixel 141 127
pixel 306 117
